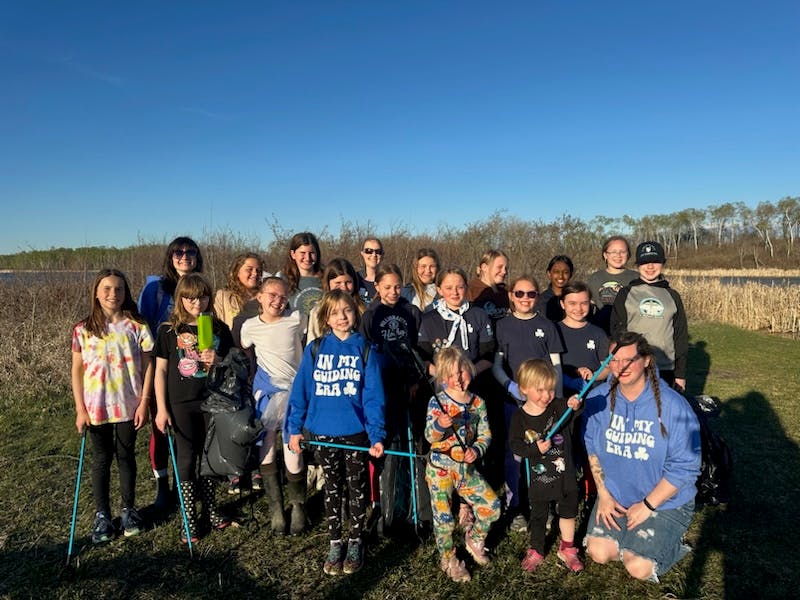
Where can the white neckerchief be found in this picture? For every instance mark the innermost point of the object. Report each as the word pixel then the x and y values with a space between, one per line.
pixel 459 324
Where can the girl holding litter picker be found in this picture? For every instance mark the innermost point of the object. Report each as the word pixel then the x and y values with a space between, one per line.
pixel 392 323
pixel 550 461
pixel 180 384
pixel 112 381
pixel 458 429
pixel 156 303
pixel 337 397
pixel 276 334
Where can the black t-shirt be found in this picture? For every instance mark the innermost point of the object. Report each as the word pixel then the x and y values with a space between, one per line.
pixel 394 330
pixel 186 376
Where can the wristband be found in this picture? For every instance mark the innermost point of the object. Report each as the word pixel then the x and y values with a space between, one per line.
pixel 648 505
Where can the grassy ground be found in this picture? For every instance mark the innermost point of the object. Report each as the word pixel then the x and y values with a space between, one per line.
pixel 742 552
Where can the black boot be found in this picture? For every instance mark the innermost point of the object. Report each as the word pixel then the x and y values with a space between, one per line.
pixel 189 493
pixel 164 498
pixel 274 492
pixel 209 493
pixel 296 492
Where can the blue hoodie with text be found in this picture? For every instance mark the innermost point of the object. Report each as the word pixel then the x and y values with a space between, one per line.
pixel 335 394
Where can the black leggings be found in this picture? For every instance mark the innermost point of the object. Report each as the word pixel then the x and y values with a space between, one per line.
pixel 190 425
pixel 107 440
pixel 345 472
pixel 566 508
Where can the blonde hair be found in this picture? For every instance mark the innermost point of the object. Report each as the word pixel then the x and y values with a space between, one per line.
pixel 488 257
pixel 449 359
pixel 329 301
pixel 536 373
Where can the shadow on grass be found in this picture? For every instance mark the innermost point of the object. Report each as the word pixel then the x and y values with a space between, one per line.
pixel 754 538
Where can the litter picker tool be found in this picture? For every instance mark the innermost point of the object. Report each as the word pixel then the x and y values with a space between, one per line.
pixel 180 491
pixel 77 493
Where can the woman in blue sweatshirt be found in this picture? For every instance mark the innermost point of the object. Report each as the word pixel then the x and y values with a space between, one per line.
pixel 643 442
pixel 338 397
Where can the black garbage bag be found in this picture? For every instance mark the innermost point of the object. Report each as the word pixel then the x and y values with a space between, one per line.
pixel 714 482
pixel 233 427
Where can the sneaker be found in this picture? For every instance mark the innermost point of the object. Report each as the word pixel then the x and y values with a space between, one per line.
pixel 476 550
pixel 257 482
pixel 131 522
pixel 532 560
pixel 333 564
pixel 569 556
pixel 518 524
pixel 355 557
pixel 455 569
pixel 102 529
pixel 234 486
pixel 465 516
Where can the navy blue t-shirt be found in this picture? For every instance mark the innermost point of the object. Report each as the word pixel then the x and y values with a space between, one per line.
pixel 521 339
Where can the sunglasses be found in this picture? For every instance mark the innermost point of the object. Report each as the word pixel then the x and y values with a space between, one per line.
pixel 190 253
pixel 523 293
pixel 369 251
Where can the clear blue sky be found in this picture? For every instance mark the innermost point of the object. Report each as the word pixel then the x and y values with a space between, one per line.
pixel 121 121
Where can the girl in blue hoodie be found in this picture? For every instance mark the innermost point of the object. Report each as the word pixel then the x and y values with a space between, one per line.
pixel 338 398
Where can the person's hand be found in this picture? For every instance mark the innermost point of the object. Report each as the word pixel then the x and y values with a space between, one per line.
pixel 444 421
pixel 377 450
pixel 680 384
pixel 574 403
pixel 142 414
pixel 470 456
pixel 294 443
pixel 585 373
pixel 637 514
pixel 208 356
pixel 82 421
pixel 162 420
pixel 543 445
pixel 608 510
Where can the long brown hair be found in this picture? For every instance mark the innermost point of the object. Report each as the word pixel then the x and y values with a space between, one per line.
pixel 96 322
pixel 238 291
pixel 193 285
pixel 169 276
pixel 644 350
pixel 290 271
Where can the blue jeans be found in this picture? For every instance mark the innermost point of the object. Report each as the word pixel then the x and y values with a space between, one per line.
pixel 659 538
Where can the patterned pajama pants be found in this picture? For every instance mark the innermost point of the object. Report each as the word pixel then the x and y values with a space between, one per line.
pixel 473 489
pixel 345 473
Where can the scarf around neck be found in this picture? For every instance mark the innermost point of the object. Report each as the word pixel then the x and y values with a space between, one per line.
pixel 459 323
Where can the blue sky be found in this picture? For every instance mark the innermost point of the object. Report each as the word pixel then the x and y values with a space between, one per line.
pixel 145 120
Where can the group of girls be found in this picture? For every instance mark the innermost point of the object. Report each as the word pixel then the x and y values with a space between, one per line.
pixel 372 345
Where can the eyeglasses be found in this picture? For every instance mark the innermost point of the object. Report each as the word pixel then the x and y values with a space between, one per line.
pixel 198 299
pixel 271 296
pixel 369 251
pixel 616 252
pixel 189 253
pixel 523 293
pixel 625 362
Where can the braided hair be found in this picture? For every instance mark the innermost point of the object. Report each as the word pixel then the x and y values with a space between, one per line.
pixel 644 350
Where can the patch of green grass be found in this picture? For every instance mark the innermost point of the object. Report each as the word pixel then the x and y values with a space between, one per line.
pixel 742 552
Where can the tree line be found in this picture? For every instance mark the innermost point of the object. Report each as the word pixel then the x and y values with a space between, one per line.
pixel 728 235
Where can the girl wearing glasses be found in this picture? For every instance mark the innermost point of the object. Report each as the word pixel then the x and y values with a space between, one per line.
pixel 643 441
pixel 606 283
pixel 371 256
pixel 180 384
pixel 276 335
pixel 156 302
pixel 488 289
pixel 524 334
